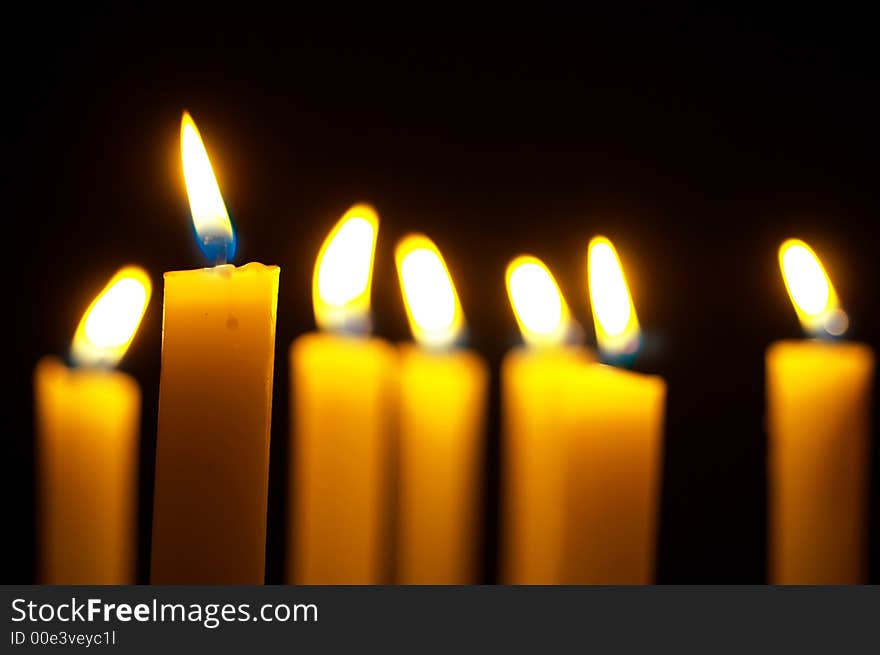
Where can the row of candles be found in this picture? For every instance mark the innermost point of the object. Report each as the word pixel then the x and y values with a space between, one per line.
pixel 384 436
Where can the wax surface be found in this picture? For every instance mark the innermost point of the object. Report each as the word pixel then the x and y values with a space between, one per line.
pixel 88 424
pixel 614 476
pixel 582 460
pixel 818 407
pixel 343 396
pixel 442 445
pixel 535 450
pixel 215 402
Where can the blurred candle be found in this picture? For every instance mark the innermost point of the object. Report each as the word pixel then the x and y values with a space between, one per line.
pixel 215 400
pixel 617 456
pixel 88 426
pixel 342 397
pixel 539 421
pixel 442 427
pixel 818 407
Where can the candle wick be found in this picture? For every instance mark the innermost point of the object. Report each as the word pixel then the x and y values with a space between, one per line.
pixel 216 249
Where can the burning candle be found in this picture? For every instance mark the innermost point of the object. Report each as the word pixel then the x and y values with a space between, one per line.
pixel 215 399
pixel 343 393
pixel 88 427
pixel 540 419
pixel 442 427
pixel 818 406
pixel 616 458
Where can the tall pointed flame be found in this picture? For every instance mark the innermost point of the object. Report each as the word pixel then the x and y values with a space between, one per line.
pixel 614 316
pixel 108 326
pixel 210 218
pixel 344 271
pixel 432 305
pixel 810 290
pixel 541 312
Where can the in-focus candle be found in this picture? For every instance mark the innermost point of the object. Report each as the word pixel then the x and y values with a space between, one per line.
pixel 215 401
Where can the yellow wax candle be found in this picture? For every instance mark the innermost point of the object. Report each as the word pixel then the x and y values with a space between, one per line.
pixel 617 456
pixel 442 428
pixel 539 422
pixel 343 399
pixel 818 408
pixel 615 478
pixel 88 429
pixel 215 400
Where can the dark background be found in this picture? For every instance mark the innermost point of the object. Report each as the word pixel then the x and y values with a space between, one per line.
pixel 697 143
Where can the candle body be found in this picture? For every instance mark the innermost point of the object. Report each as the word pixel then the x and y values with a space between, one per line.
pixel 442 442
pixel 818 406
pixel 614 476
pixel 343 400
pixel 537 431
pixel 88 424
pixel 215 401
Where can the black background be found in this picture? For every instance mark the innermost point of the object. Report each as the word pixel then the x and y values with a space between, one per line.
pixel 697 143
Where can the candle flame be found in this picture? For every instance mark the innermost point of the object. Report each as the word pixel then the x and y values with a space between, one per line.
pixel 432 306
pixel 210 218
pixel 614 316
pixel 541 311
pixel 108 326
pixel 344 272
pixel 810 290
